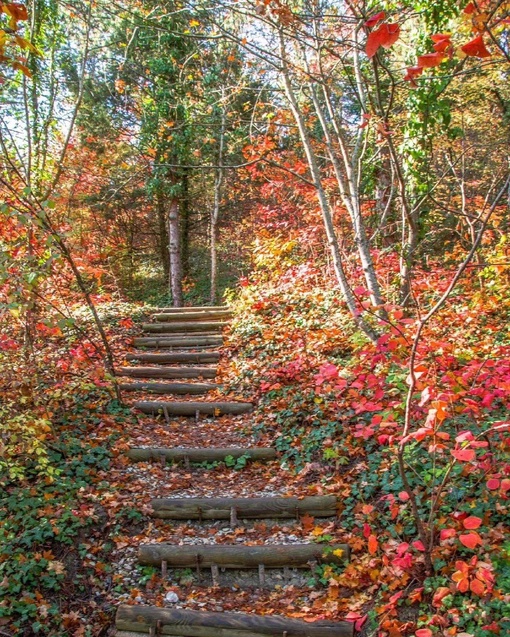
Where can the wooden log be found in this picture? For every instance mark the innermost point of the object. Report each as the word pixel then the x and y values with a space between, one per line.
pixel 192 623
pixel 184 328
pixel 165 317
pixel 175 408
pixel 178 389
pixel 220 508
pixel 187 341
pixel 203 454
pixel 196 309
pixel 242 556
pixel 175 357
pixel 166 372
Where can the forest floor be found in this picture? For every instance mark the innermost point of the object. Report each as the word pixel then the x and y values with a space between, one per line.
pixel 70 540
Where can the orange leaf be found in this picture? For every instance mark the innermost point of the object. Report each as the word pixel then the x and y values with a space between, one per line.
pixel 477 587
pixel 470 540
pixel 476 48
pixel 430 60
pixel 472 522
pixel 386 35
pixel 372 545
pixel 308 522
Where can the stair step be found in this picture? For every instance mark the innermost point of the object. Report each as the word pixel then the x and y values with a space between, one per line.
pixel 166 317
pixel 243 508
pixel 179 389
pixel 184 328
pixel 196 309
pixel 137 620
pixel 171 357
pixel 190 342
pixel 204 454
pixel 241 556
pixel 175 408
pixel 167 372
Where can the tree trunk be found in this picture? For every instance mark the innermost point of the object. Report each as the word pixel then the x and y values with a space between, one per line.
pixel 322 198
pixel 163 233
pixel 218 187
pixel 174 249
pixel 185 222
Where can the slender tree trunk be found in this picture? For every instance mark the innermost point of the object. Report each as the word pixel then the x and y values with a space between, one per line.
pixel 163 233
pixel 218 187
pixel 174 249
pixel 185 223
pixel 322 197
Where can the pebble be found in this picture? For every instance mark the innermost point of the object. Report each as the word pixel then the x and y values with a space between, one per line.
pixel 171 597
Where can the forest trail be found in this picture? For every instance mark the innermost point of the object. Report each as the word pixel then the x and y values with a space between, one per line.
pixel 232 535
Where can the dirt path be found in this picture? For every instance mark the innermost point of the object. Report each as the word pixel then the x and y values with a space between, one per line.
pixel 204 555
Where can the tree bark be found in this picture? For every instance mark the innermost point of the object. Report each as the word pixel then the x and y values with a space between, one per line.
pixel 168 328
pixel 173 621
pixel 163 233
pixel 206 454
pixel 189 342
pixel 178 389
pixel 167 317
pixel 167 372
pixel 220 508
pixel 174 249
pixel 236 556
pixel 192 408
pixel 176 357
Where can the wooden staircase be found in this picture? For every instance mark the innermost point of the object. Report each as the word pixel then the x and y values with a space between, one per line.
pixel 189 339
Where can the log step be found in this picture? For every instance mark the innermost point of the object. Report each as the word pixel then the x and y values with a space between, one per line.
pixel 191 408
pixel 167 372
pixel 172 341
pixel 196 310
pixel 203 454
pixel 178 389
pixel 241 556
pixel 165 317
pixel 174 357
pixel 243 508
pixel 183 328
pixel 142 620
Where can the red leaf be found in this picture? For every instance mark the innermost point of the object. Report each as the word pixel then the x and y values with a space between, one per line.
pixel 430 60
pixel 476 48
pixel 386 35
pixel 17 10
pixel 477 587
pixel 505 485
pixel 418 545
pixel 470 8
pixel 464 455
pixel 447 533
pixel 372 545
pixel 404 496
pixel 493 484
pixel 470 540
pixel 472 522
pixel 371 22
pixel 423 632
